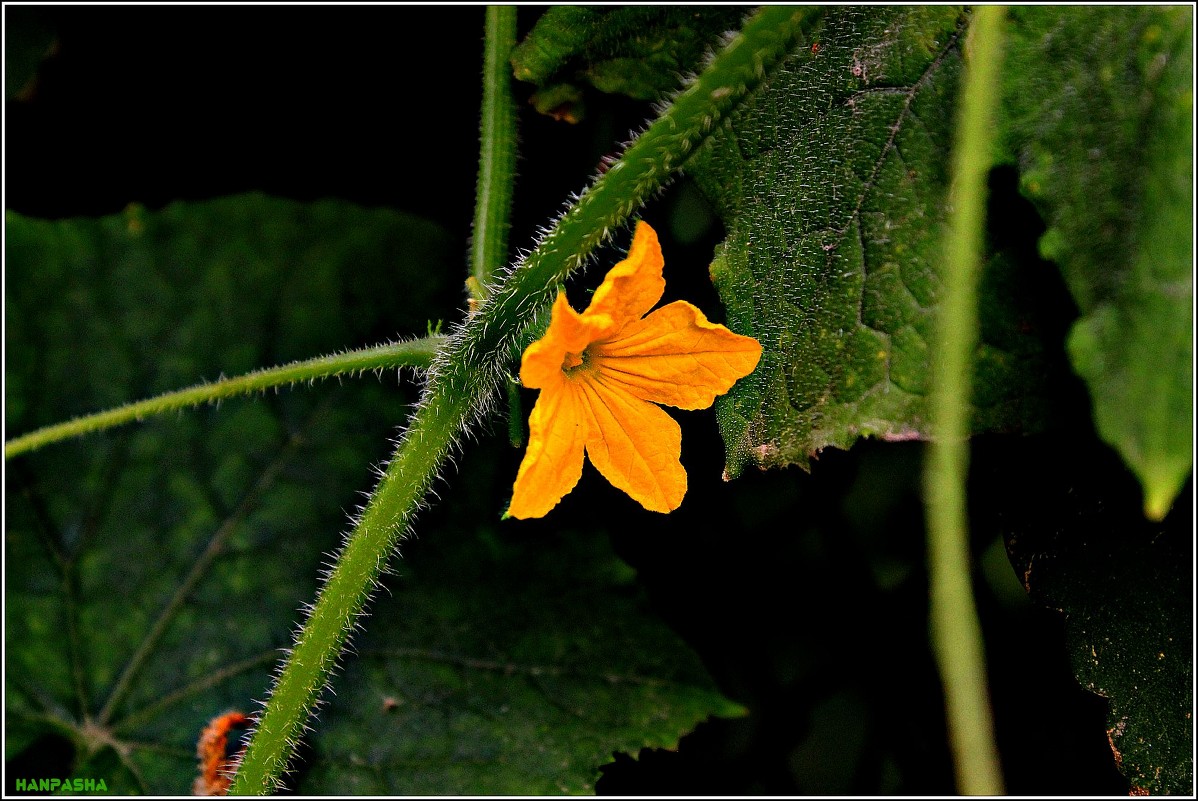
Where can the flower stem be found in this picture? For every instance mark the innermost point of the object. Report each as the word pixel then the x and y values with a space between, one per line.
pixel 413 353
pixel 497 153
pixel 467 372
pixel 955 630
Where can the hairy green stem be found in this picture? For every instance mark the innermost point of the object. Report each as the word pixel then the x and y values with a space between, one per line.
pixel 467 372
pixel 413 353
pixel 497 153
pixel 955 630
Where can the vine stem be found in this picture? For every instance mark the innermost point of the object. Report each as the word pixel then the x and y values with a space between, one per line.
pixel 497 153
pixel 955 630
pixel 413 353
pixel 466 373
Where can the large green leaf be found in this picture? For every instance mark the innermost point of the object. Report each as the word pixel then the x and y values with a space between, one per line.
pixel 102 532
pixel 510 666
pixel 1099 115
pixel 154 572
pixel 832 185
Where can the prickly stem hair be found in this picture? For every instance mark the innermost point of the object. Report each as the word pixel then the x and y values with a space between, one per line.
pixel 468 370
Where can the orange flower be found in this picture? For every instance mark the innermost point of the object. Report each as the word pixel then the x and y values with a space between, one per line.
pixel 600 372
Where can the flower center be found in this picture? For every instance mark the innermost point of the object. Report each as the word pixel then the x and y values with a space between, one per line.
pixel 575 362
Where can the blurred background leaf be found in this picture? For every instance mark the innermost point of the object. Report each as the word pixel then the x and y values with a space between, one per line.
pixel 1098 107
pixel 102 532
pixel 1102 143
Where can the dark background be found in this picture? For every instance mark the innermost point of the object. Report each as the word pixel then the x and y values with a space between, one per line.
pixel 805 594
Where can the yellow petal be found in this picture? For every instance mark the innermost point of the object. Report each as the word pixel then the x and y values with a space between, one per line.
pixel 553 462
pixel 568 333
pixel 635 445
pixel 635 284
pixel 676 357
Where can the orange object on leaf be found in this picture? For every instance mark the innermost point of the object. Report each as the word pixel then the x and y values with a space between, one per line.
pixel 216 763
pixel 601 372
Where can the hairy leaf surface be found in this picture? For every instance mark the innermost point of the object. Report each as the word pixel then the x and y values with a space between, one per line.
pixel 833 188
pixel 509 666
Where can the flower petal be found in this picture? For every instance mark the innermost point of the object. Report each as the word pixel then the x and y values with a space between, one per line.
pixel 568 332
pixel 635 445
pixel 553 462
pixel 676 357
pixel 634 285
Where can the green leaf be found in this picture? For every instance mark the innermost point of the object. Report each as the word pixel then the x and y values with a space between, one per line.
pixel 832 183
pixel 1124 585
pixel 105 530
pixel 1099 105
pixel 514 663
pixel 183 546
pixel 638 51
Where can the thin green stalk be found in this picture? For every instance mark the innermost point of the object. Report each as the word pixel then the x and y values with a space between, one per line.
pixel 467 373
pixel 497 153
pixel 955 630
pixel 414 353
